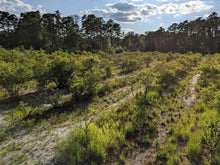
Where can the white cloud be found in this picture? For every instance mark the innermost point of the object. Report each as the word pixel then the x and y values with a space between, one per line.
pixel 126 30
pixel 42 11
pixel 17 6
pixel 206 15
pixel 184 8
pixel 176 15
pixel 125 12
pixel 169 8
pixel 136 0
pixel 168 0
pixel 193 6
pixel 130 13
pixel 162 0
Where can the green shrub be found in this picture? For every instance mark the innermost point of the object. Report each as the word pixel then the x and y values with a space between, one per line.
pixel 208 97
pixel 129 129
pixel 105 88
pixel 122 157
pixel 182 132
pixel 41 68
pixel 199 108
pixel 152 97
pixel 110 51
pixel 208 75
pixel 147 78
pixel 212 135
pixel 108 71
pixel 163 123
pixel 194 147
pixel 169 57
pixel 119 50
pixel 173 155
pixel 147 60
pixel 3 136
pixel 22 111
pixel 162 154
pixel 173 160
pixel 83 147
pixel 86 86
pixel 19 158
pixel 128 65
pixel 147 140
pixel 217 102
pixel 13 76
pixel 167 78
pixel 53 99
pixel 61 69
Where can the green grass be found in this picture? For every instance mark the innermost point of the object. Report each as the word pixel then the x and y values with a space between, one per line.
pixel 193 148
pixel 4 136
pixel 14 147
pixel 114 128
pixel 133 123
pixel 122 157
pixel 84 145
pixel 19 158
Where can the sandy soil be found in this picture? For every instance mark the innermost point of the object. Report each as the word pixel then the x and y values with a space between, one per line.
pixel 147 156
pixel 41 140
pixel 192 97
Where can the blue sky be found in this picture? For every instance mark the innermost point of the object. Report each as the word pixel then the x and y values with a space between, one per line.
pixel 133 15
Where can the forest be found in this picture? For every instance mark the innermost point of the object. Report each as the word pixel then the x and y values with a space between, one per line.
pixel 88 94
pixel 52 32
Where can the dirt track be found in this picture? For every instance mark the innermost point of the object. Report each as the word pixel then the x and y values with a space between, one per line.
pixel 148 156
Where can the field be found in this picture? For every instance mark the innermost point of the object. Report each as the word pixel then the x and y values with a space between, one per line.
pixel 109 108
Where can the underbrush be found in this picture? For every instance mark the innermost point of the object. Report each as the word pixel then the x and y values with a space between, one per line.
pixel 110 134
pixel 22 111
pixel 133 122
pixel 90 82
pixel 85 146
pixel 196 134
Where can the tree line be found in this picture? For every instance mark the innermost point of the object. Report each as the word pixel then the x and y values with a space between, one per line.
pixel 52 31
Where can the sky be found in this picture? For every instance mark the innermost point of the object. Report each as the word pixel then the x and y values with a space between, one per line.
pixel 133 15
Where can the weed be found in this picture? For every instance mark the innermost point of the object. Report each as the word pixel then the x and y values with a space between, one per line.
pixel 22 111
pixel 129 129
pixel 122 157
pixel 211 135
pixel 172 119
pixel 147 140
pixel 83 147
pixel 199 108
pixel 19 158
pixel 152 97
pixel 163 123
pixel 27 149
pixel 14 147
pixel 187 92
pixel 3 136
pixel 194 147
pixel 162 154
pixel 53 99
pixel 171 130
pixel 170 114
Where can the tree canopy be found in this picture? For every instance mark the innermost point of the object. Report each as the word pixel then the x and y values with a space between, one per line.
pixel 52 31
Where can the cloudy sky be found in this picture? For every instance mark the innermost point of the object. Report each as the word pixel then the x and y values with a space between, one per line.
pixel 133 15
